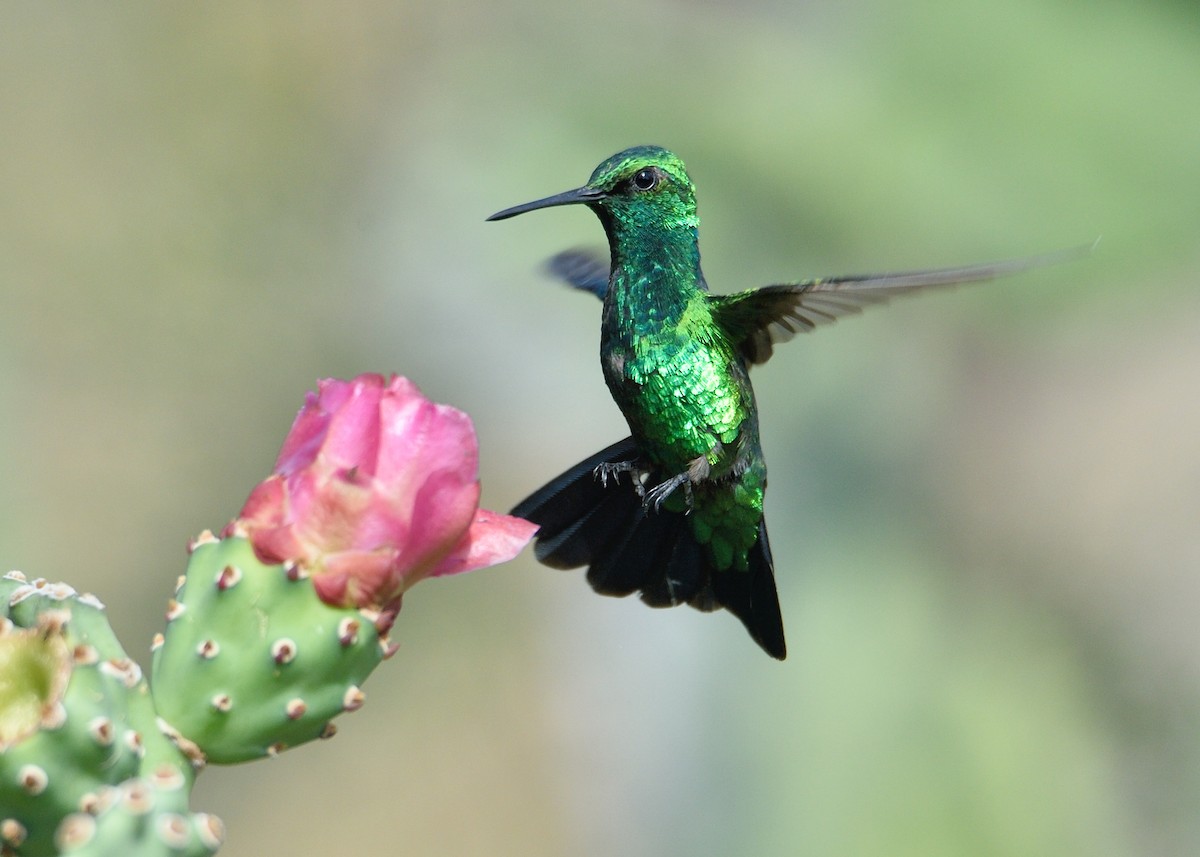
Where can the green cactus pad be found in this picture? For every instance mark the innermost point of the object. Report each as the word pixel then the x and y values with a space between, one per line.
pixel 142 817
pixel 252 661
pixel 94 720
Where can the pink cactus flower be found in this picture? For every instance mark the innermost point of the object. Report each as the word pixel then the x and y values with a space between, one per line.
pixel 376 488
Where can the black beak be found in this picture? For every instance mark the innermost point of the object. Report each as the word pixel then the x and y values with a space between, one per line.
pixel 572 197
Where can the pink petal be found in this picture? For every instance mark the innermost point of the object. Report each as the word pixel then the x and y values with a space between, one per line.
pixel 443 508
pixel 420 435
pixel 431 457
pixel 304 440
pixel 353 436
pixel 265 518
pixel 356 577
pixel 492 539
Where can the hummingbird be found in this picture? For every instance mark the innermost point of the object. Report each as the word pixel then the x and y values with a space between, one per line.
pixel 675 510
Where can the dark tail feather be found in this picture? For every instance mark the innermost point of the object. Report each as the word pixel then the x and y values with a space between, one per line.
pixel 630 548
pixel 751 596
pixel 575 513
pixel 636 558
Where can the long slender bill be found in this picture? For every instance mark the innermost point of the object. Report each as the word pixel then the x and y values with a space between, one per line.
pixel 571 197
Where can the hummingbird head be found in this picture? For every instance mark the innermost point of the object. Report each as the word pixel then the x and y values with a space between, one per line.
pixel 640 190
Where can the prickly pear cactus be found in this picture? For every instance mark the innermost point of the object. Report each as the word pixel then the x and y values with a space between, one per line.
pixel 143 817
pixel 76 720
pixel 252 661
pixel 375 489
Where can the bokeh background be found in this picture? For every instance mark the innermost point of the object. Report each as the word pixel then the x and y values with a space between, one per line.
pixel 985 505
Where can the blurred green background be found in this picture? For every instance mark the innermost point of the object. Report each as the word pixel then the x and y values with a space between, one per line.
pixel 985 505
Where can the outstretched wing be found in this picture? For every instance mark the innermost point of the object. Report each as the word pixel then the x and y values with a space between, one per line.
pixel 758 319
pixel 583 269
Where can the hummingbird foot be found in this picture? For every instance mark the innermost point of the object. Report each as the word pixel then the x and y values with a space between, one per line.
pixel 657 495
pixel 607 470
pixel 698 470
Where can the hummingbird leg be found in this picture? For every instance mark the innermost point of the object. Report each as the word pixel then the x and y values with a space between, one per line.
pixel 697 471
pixel 660 492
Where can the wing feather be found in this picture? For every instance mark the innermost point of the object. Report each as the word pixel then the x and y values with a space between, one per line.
pixel 759 319
pixel 582 269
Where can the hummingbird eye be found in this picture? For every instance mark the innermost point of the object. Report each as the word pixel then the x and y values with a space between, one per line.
pixel 646 179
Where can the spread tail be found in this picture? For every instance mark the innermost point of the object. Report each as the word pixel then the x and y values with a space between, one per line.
pixel 629 547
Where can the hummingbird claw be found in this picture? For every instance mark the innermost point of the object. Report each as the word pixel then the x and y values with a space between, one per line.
pixel 657 495
pixel 613 470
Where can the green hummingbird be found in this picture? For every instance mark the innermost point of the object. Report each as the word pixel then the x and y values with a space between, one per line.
pixel 675 511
